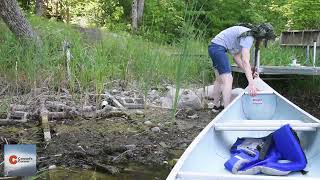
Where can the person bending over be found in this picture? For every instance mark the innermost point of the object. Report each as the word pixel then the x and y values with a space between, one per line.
pixel 237 40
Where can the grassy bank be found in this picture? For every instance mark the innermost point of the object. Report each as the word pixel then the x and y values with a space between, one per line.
pixel 98 57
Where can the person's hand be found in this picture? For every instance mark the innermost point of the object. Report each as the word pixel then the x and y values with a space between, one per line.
pixel 252 89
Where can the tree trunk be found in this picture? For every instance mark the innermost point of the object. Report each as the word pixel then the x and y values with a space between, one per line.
pixel 137 13
pixel 39 7
pixel 134 15
pixel 140 11
pixel 11 13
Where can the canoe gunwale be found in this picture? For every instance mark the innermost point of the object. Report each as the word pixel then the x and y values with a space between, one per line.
pixel 195 175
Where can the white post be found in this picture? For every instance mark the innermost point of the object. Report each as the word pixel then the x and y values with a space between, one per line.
pixel 258 63
pixel 314 53
pixel 66 49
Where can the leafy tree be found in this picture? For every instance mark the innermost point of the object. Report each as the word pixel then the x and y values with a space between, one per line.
pixel 305 14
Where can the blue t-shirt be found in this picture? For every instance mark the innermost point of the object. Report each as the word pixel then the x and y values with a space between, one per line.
pixel 229 38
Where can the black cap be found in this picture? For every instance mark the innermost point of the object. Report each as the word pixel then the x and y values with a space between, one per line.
pixel 265 31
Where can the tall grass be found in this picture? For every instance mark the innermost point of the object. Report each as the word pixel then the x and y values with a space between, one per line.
pixel 277 55
pixel 94 63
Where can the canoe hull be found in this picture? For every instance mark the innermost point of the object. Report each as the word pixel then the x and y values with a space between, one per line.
pixel 205 157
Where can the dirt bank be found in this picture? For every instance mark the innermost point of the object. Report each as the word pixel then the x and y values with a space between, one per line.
pixel 107 145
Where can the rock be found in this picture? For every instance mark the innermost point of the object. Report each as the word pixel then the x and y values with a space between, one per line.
pixel 160 125
pixel 129 154
pixel 164 145
pixel 187 99
pixel 153 95
pixel 139 112
pixel 195 116
pixel 52 167
pixel 148 123
pixel 130 146
pixel 114 91
pixel 104 104
pixel 155 129
pixel 183 145
pixel 65 91
pixel 205 92
pixel 210 105
pixel 165 162
pixel 84 166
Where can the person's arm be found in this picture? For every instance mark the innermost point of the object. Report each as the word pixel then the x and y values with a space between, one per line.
pixel 245 53
pixel 237 60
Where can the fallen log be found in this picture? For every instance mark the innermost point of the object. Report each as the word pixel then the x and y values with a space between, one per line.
pixel 19 107
pixel 57 106
pixel 4 122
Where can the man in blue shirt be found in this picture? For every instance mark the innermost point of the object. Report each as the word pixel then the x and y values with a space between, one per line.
pixel 236 40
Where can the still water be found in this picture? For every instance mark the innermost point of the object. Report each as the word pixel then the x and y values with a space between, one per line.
pixel 131 172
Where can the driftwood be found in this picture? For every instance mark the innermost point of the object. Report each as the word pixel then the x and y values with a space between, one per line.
pixel 4 122
pixel 52 110
pixel 108 96
pixel 46 107
pixel 44 113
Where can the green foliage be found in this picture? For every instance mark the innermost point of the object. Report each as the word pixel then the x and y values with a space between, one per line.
pixel 305 14
pixel 163 20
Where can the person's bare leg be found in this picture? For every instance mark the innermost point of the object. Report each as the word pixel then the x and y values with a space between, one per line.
pixel 217 88
pixel 226 88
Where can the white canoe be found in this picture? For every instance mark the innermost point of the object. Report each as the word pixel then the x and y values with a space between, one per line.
pixel 248 116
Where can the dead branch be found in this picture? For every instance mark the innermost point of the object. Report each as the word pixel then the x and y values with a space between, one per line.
pixel 4 89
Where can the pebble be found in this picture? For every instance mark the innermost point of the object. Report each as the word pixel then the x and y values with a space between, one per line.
pixel 104 104
pixel 86 166
pixel 183 145
pixel 130 146
pixel 115 91
pixel 210 105
pixel 195 116
pixel 164 145
pixel 148 123
pixel 52 167
pixel 155 129
pixel 167 123
pixel 160 125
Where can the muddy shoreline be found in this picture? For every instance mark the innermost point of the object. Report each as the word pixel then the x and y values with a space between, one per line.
pixel 148 137
pixel 109 145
